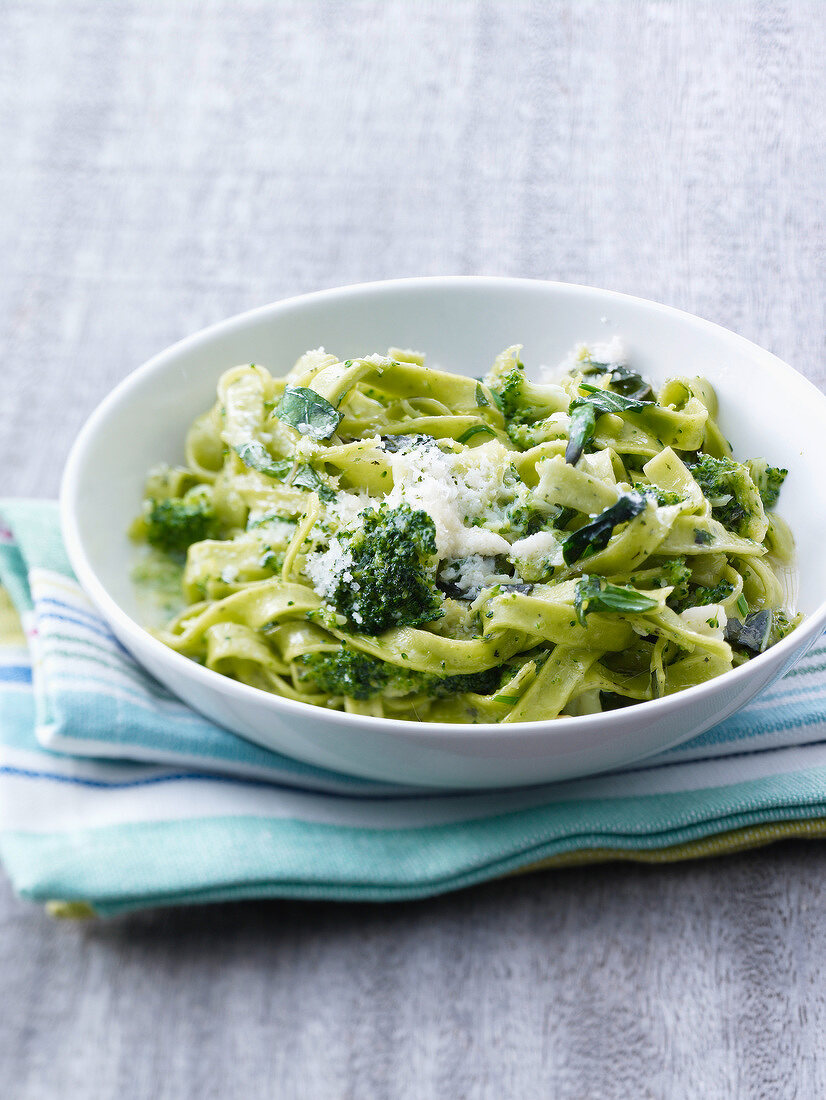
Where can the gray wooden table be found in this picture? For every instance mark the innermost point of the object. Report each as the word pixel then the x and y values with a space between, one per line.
pixel 166 165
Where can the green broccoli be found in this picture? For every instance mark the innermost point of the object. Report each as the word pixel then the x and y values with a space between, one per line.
pixel 701 596
pixel 522 403
pixel 172 525
pixel 768 479
pixel 388 581
pixel 360 676
pixel 661 496
pixel 674 573
pixel 346 672
pixel 729 487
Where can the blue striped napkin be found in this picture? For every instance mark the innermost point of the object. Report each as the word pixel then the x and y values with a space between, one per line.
pixel 115 796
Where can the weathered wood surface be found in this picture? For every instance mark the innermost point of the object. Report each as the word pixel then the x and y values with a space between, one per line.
pixel 166 165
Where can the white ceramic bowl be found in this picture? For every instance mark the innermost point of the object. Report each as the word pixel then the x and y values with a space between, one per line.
pixel 767 410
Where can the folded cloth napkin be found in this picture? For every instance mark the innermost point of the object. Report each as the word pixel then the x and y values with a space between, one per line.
pixel 115 796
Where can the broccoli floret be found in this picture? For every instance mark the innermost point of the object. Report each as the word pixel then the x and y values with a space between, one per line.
pixel 701 596
pixel 388 572
pixel 674 573
pixel 729 487
pixel 174 524
pixel 360 676
pixel 481 683
pixel 346 672
pixel 768 479
pixel 661 496
pixel 522 403
pixel 507 390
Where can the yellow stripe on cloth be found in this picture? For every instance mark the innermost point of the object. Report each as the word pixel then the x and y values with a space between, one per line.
pixel 721 844
pixel 11 632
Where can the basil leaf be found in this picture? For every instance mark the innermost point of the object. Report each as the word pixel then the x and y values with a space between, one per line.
pixel 395 443
pixel 623 379
pixel 305 477
pixel 630 384
pixel 595 594
pixel 752 633
pixel 583 413
pixel 596 535
pixel 605 401
pixel 581 430
pixel 308 412
pixel 481 400
pixel 476 429
pixel 257 457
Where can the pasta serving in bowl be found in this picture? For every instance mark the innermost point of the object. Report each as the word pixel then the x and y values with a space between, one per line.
pixel 387 539
pixel 463 570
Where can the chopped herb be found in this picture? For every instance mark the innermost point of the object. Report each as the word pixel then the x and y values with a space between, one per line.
pixel 623 379
pixel 256 456
pixel 481 400
pixel 596 535
pixel 476 429
pixel 605 401
pixel 583 413
pixel 580 431
pixel 305 477
pixel 742 605
pixel 394 443
pixel 702 538
pixel 595 594
pixel 752 633
pixel 308 412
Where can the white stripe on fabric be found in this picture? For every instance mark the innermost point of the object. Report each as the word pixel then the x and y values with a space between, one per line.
pixel 42 805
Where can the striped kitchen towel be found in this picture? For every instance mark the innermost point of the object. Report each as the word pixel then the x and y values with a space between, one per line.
pixel 115 796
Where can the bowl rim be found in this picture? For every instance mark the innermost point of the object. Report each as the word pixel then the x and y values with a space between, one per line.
pixel 793 645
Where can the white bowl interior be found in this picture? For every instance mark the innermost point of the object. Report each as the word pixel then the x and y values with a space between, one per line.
pixel 767 409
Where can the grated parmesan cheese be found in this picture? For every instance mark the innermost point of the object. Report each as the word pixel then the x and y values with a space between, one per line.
pixel 454 490
pixel 475 571
pixel 326 568
pixel 611 352
pixel 543 548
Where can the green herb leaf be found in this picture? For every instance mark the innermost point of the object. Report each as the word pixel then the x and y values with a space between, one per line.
pixel 257 457
pixel 742 605
pixel 481 400
pixel 596 535
pixel 605 401
pixel 583 413
pixel 753 633
pixel 305 477
pixel 595 594
pixel 624 380
pixel 581 430
pixel 308 412
pixel 476 429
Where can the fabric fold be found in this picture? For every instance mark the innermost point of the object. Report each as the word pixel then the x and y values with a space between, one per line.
pixel 114 795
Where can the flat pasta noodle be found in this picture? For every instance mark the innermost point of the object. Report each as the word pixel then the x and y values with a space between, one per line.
pixel 383 538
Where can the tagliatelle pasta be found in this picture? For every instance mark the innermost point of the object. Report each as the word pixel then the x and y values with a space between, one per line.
pixel 380 537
